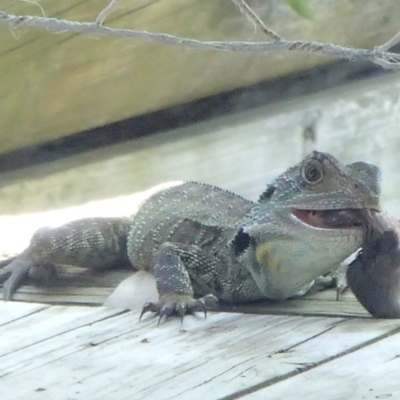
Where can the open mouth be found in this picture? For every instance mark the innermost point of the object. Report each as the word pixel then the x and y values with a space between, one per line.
pixel 331 219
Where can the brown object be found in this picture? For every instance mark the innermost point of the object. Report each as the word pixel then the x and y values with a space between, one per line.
pixel 374 276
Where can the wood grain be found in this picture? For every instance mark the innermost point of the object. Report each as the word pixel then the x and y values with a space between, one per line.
pixel 369 373
pixel 93 353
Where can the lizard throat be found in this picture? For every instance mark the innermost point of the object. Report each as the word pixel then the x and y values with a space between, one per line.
pixel 329 219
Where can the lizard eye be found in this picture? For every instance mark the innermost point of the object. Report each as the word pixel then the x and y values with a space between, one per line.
pixel 313 172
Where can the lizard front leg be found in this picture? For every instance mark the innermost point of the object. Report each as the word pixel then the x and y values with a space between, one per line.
pixel 176 269
pixel 96 243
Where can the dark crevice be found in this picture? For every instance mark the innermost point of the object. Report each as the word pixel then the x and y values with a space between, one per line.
pixel 241 242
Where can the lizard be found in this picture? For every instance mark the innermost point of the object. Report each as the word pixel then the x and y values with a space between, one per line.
pixel 205 244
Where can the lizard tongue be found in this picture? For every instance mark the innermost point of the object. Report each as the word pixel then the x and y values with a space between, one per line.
pixel 329 219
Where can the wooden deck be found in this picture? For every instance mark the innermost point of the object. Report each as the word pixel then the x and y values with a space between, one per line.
pixel 61 342
pixel 313 346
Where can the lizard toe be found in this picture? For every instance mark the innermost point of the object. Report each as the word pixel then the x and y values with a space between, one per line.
pixel 340 289
pixel 340 281
pixel 203 304
pixel 19 270
pixel 167 310
pixel 149 307
pixel 181 310
pixel 179 305
pixel 12 277
pixel 198 305
pixel 161 310
pixel 333 280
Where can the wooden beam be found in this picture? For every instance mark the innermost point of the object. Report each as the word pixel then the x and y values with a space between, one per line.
pixel 56 84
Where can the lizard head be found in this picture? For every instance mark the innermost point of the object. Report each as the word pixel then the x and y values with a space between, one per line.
pixel 308 220
pixel 321 192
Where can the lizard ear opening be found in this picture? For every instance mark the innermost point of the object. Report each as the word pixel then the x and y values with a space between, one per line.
pixel 241 242
pixel 267 194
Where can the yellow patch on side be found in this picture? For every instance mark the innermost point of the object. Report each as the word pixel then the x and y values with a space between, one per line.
pixel 265 259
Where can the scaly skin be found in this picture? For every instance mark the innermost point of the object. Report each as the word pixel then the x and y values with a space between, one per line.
pixel 204 243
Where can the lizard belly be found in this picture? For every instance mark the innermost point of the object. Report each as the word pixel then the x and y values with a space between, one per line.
pixel 285 266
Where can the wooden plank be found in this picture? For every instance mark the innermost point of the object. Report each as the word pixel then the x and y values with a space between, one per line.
pixel 346 307
pixel 89 296
pixel 225 354
pixel 369 373
pixel 76 82
pixel 17 311
pixel 75 286
pixel 69 342
pixel 35 327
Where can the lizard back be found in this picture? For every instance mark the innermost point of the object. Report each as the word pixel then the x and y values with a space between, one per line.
pixel 192 214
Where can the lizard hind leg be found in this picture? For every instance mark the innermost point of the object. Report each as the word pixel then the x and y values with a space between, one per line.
pixel 176 295
pixel 96 243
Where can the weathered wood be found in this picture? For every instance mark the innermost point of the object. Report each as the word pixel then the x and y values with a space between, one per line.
pixel 68 351
pixel 56 84
pixel 348 306
pixel 86 296
pixel 369 373
pixel 74 287
pixel 17 311
pixel 35 326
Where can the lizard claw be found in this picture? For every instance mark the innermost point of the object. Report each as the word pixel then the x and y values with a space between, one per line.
pixel 334 280
pixel 340 289
pixel 180 305
pixel 21 269
pixel 12 276
pixel 340 281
